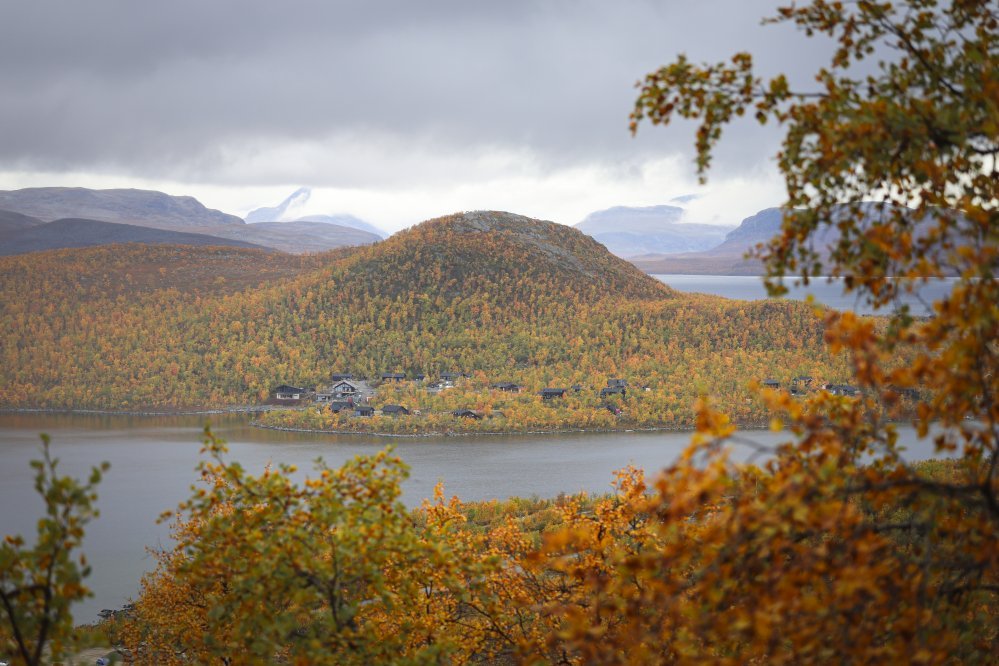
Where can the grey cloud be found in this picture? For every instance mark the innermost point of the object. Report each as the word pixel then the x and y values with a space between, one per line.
pixel 182 88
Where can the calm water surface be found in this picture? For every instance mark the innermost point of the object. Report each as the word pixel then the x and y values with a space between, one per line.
pixel 826 292
pixel 153 460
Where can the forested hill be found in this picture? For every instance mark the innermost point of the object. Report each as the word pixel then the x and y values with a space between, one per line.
pixel 497 295
pixel 509 257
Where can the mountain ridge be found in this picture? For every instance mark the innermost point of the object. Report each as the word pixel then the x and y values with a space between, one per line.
pixel 11 221
pixel 144 208
pixel 299 236
pixel 297 200
pixel 157 210
pixel 726 258
pixel 80 233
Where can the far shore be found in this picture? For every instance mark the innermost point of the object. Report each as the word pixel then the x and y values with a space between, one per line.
pixel 258 409
pixel 471 433
pixel 194 411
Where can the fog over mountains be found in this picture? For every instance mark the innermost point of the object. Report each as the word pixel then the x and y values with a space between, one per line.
pixel 725 258
pixel 629 231
pixel 278 213
pixel 291 209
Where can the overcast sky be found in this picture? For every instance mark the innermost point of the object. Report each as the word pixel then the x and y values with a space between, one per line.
pixel 391 111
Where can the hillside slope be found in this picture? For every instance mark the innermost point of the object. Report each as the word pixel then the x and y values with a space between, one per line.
pixel 497 295
pixel 345 220
pixel 518 257
pixel 11 221
pixel 77 233
pixel 125 274
pixel 298 237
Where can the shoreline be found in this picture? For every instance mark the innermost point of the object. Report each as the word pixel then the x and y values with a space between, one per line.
pixel 564 431
pixel 259 409
pixel 199 411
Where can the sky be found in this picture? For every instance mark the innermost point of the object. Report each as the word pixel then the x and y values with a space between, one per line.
pixel 393 111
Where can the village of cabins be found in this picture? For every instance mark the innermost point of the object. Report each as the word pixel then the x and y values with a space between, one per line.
pixel 348 394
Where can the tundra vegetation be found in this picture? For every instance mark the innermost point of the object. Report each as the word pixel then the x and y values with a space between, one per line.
pixel 833 548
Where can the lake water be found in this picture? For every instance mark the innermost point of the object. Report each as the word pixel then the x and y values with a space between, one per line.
pixel 827 292
pixel 153 460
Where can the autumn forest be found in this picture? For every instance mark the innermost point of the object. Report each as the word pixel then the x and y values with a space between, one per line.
pixel 493 295
pixel 830 546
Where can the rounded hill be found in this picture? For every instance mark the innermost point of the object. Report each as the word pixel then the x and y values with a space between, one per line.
pixel 502 254
pixel 502 297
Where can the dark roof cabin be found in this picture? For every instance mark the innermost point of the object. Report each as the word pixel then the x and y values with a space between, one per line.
pixel 507 386
pixel 905 392
pixel 613 390
pixel 771 383
pixel 800 384
pixel 466 414
pixel 393 376
pixel 364 410
pixel 617 382
pixel 337 406
pixel 550 393
pixel 341 376
pixel 286 392
pixel 394 410
pixel 343 387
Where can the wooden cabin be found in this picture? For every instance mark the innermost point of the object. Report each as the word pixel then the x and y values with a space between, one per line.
pixel 286 392
pixel 552 393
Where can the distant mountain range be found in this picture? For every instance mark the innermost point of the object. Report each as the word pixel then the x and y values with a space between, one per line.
pixel 726 258
pixel 300 236
pixel 24 215
pixel 278 213
pixel 629 231
pixel 144 208
pixel 289 211
pixel 345 220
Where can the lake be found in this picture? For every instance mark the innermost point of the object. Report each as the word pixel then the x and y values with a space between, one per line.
pixel 153 460
pixel 827 292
